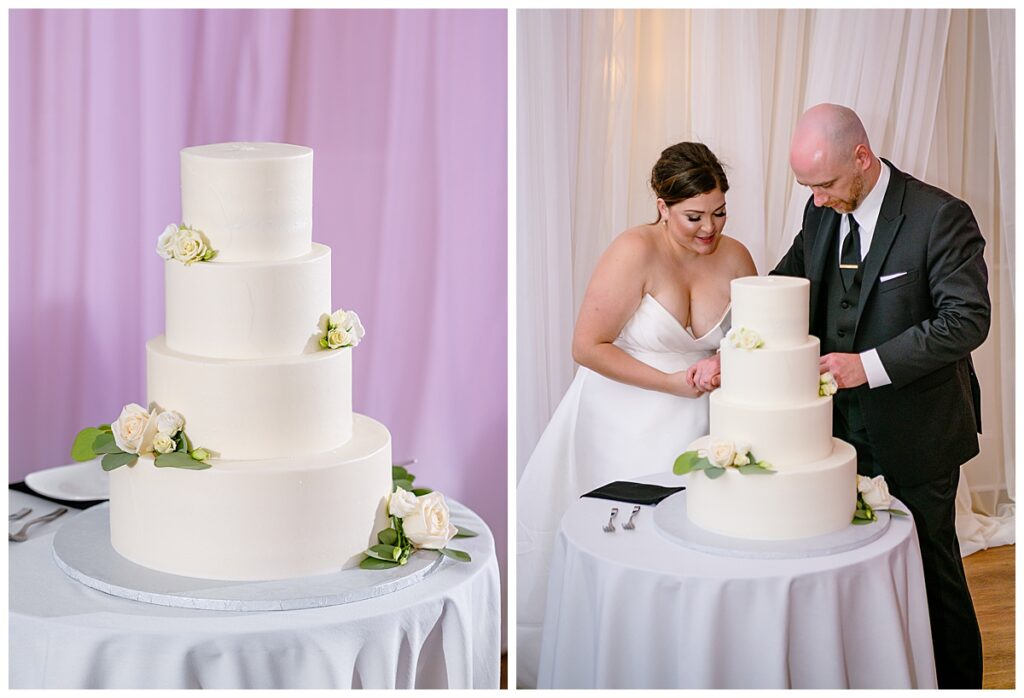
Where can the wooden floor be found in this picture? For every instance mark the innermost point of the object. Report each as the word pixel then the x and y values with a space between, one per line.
pixel 990 574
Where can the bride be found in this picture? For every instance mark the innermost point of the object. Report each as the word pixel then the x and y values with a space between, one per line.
pixel 653 314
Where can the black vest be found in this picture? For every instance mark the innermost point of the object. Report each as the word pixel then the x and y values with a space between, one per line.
pixel 840 317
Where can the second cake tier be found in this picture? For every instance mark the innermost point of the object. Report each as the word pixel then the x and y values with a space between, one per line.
pixel 260 408
pixel 248 310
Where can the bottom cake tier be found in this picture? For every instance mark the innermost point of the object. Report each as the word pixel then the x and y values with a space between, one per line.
pixel 800 502
pixel 256 519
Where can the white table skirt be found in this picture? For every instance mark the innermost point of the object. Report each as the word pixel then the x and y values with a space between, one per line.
pixel 631 609
pixel 443 632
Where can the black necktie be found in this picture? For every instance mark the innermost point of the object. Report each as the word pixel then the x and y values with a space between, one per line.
pixel 849 258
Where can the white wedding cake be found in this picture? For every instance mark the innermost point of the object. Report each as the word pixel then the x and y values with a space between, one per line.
pixel 770 408
pixel 257 366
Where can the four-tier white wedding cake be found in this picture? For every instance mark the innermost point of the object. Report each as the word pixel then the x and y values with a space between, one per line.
pixel 771 410
pixel 259 369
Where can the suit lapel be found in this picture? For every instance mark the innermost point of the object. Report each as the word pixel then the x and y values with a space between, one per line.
pixel 890 218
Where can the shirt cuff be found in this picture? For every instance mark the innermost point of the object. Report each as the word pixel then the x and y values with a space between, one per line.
pixel 873 368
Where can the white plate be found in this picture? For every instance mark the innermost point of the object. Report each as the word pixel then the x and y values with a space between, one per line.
pixel 78 482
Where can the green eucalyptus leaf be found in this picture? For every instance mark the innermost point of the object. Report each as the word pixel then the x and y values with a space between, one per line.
pixel 104 443
pixel 896 512
pixel 714 472
pixel 82 449
pixel 385 552
pixel 183 440
pixel 177 459
pixel 420 491
pixel 112 461
pixel 404 484
pixel 860 522
pixel 372 563
pixel 456 554
pixel 685 462
pixel 388 536
pixel 463 532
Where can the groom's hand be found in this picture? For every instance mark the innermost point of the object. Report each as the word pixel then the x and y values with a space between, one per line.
pixel 847 369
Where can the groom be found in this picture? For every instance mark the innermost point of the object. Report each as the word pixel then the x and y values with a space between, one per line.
pixel 899 299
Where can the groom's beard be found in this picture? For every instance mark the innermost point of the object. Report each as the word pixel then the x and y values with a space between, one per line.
pixel 856 196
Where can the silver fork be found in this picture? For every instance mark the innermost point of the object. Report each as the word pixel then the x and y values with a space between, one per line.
pixel 610 527
pixel 629 524
pixel 22 535
pixel 20 514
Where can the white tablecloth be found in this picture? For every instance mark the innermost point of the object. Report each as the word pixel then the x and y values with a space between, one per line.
pixel 443 632
pixel 631 609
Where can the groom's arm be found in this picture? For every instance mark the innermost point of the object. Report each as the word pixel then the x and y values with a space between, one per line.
pixel 958 284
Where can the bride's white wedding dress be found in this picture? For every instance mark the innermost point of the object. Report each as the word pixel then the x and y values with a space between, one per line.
pixel 602 431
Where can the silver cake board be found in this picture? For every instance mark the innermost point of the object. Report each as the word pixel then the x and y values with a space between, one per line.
pixel 672 522
pixel 82 549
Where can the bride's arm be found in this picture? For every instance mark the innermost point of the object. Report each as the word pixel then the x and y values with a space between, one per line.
pixel 615 290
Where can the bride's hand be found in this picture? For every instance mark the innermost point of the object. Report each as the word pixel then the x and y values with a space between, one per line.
pixel 706 374
pixel 681 384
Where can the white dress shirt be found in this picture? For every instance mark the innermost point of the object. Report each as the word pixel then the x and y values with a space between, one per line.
pixel 867 218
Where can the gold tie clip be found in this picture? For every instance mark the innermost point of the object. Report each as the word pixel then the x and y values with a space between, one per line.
pixel 848 266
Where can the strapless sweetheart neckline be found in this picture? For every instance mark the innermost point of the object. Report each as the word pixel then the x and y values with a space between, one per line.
pixel 687 330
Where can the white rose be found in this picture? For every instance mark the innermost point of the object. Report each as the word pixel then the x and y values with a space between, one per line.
pixel 134 429
pixel 351 328
pixel 401 503
pixel 337 338
pixel 165 243
pixel 427 526
pixel 721 453
pixel 170 422
pixel 828 386
pixel 163 443
pixel 741 458
pixel 749 339
pixel 875 491
pixel 354 327
pixel 189 246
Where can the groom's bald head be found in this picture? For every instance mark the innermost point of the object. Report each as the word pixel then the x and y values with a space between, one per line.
pixel 831 155
pixel 827 134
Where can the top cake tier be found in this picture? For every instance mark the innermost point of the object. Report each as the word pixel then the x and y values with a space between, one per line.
pixel 775 307
pixel 254 201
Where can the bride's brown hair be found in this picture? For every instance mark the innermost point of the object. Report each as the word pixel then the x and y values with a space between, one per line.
pixel 686 170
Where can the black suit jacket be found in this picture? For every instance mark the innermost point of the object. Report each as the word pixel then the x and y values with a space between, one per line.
pixel 924 324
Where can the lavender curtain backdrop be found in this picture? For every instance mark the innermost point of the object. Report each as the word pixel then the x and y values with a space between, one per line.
pixel 406 114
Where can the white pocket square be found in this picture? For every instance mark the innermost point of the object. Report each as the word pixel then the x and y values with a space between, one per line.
pixel 890 277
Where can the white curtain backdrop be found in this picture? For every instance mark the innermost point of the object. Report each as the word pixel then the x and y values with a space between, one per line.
pixel 602 92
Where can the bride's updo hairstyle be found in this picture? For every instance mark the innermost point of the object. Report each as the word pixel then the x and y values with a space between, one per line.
pixel 686 170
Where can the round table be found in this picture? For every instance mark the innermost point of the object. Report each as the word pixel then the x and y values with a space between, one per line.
pixel 443 632
pixel 632 609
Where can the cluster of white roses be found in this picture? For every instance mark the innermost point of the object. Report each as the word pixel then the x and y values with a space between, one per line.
pixel 184 244
pixel 140 431
pixel 744 338
pixel 727 453
pixel 425 519
pixel 827 384
pixel 343 329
